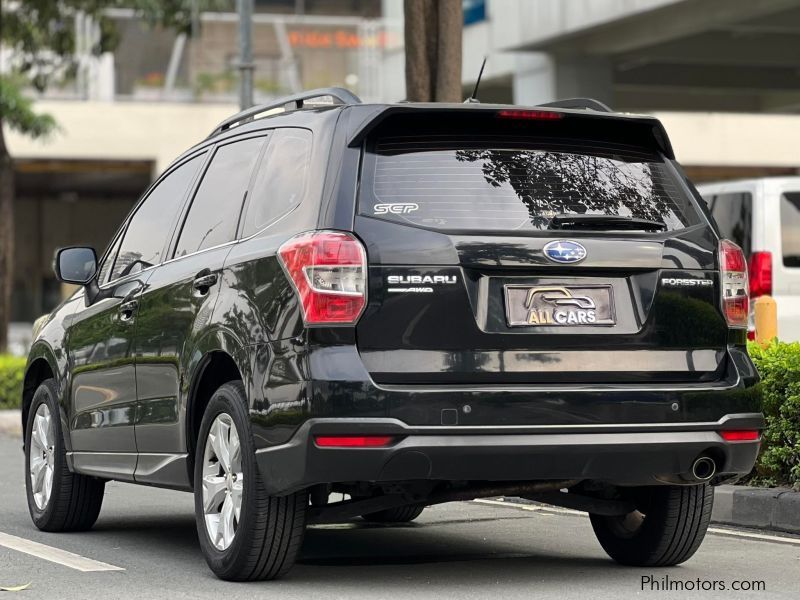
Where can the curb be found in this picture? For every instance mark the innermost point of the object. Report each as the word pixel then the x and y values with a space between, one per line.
pixel 770 509
pixel 776 509
pixel 11 422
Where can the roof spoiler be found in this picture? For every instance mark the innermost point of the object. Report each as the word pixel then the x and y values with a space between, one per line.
pixel 373 115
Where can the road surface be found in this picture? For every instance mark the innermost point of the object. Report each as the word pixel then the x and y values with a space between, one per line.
pixel 145 540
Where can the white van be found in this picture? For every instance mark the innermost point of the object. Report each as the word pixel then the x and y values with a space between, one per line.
pixel 763 217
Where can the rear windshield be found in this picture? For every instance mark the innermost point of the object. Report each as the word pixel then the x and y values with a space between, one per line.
pixel 516 183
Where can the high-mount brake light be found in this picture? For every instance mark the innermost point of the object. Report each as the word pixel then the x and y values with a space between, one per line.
pixel 760 268
pixel 735 290
pixel 529 115
pixel 329 273
pixel 353 441
pixel 739 435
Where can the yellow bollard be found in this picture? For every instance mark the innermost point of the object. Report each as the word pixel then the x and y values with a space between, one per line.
pixel 766 312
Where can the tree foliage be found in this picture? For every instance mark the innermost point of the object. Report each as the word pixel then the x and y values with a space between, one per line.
pixel 779 367
pixel 17 110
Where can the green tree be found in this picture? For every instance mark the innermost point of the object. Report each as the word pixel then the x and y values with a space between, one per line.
pixel 40 35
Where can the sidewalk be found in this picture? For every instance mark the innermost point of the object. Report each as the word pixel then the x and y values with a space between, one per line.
pixel 10 422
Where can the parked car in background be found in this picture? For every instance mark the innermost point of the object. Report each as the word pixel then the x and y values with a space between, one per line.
pixel 763 217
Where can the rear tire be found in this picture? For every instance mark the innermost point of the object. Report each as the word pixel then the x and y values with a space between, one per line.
pixel 401 514
pixel 268 532
pixel 58 500
pixel 666 529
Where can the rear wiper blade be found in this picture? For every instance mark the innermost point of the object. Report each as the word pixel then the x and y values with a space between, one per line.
pixel 600 222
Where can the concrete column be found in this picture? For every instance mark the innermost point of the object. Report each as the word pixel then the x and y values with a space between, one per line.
pixel 584 77
pixel 533 79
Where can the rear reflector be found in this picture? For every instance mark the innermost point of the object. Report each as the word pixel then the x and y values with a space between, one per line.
pixel 353 441
pixel 741 435
pixel 329 273
pixel 530 115
pixel 735 291
pixel 760 267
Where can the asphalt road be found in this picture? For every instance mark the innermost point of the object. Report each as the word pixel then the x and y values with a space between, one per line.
pixel 460 550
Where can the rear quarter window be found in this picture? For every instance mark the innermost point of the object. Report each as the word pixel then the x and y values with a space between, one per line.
pixel 281 181
pixel 516 184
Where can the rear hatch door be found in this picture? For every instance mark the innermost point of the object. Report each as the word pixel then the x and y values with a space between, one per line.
pixel 509 249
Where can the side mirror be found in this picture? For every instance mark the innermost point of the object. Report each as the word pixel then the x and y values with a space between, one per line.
pixel 77 265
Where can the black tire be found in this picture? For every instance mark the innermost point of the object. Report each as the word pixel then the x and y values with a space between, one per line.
pixel 75 500
pixel 402 514
pixel 667 528
pixel 270 529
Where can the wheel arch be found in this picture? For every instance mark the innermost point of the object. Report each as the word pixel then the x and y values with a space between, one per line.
pixel 41 366
pixel 216 367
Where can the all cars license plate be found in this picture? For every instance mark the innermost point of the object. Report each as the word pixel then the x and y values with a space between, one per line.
pixel 559 305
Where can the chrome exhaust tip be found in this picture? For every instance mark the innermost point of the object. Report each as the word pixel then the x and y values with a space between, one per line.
pixel 703 468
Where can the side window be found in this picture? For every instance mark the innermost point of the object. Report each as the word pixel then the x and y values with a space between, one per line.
pixel 105 268
pixel 733 212
pixel 217 204
pixel 153 222
pixel 790 229
pixel 281 180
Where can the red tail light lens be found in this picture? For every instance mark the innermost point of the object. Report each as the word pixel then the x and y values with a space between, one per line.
pixel 353 441
pixel 530 115
pixel 744 435
pixel 735 291
pixel 329 273
pixel 760 267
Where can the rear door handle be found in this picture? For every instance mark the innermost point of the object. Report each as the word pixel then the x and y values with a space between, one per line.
pixel 203 282
pixel 127 309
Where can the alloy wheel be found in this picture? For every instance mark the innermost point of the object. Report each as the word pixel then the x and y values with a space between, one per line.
pixel 222 481
pixel 42 456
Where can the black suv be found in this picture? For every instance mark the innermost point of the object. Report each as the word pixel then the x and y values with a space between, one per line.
pixel 404 304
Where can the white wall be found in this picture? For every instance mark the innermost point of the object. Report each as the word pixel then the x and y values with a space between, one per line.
pixel 734 139
pixel 162 131
pixel 120 130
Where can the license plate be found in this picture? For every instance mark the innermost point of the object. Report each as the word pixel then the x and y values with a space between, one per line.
pixel 559 305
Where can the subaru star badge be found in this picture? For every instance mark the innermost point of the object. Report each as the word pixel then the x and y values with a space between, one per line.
pixel 563 251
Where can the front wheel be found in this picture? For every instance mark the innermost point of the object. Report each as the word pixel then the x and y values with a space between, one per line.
pixel 245 534
pixel 58 500
pixel 666 528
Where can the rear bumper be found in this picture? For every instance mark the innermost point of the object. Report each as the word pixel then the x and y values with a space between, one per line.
pixel 619 454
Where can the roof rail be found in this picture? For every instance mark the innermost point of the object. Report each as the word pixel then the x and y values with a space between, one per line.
pixel 579 103
pixel 296 101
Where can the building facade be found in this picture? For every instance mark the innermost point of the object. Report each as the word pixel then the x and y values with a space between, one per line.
pixel 722 75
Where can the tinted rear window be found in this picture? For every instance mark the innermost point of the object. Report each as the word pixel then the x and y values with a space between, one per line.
pixel 516 184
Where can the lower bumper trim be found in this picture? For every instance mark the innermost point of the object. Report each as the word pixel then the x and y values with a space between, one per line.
pixel 621 458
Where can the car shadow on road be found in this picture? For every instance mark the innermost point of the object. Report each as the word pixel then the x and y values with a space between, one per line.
pixel 343 550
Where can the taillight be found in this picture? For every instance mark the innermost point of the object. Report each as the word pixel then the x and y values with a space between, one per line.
pixel 739 435
pixel 329 273
pixel 353 441
pixel 760 268
pixel 733 275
